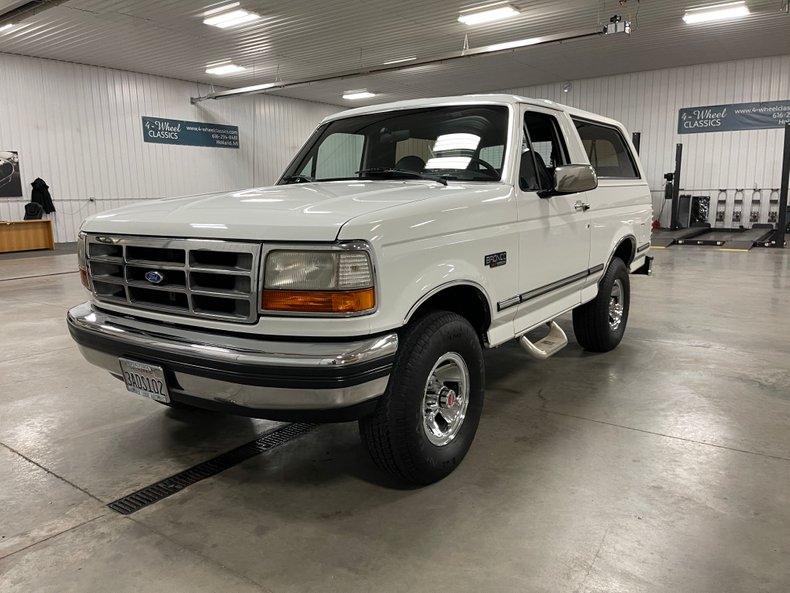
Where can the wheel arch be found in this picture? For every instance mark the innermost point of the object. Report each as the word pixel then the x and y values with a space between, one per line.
pixel 625 249
pixel 465 297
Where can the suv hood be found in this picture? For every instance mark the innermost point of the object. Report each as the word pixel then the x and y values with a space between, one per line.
pixel 297 212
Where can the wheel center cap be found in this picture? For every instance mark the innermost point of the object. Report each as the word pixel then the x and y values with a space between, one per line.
pixel 448 398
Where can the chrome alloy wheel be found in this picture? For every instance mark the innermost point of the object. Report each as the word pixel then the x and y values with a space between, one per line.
pixel 446 399
pixel 616 305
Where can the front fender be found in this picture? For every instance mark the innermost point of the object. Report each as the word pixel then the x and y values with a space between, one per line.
pixel 444 276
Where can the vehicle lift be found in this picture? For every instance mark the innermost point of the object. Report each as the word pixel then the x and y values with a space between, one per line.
pixel 663 238
pixel 729 239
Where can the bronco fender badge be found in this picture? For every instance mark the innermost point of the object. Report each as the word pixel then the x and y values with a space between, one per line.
pixel 154 277
pixel 494 260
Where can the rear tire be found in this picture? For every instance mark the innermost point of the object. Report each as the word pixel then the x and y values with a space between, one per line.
pixel 600 324
pixel 427 419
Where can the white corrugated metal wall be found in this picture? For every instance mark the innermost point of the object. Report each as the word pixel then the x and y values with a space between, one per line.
pixel 648 102
pixel 79 128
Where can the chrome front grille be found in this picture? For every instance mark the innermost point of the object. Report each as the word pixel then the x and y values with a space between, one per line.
pixel 195 277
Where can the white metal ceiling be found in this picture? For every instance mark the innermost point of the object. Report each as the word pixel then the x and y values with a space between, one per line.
pixel 301 39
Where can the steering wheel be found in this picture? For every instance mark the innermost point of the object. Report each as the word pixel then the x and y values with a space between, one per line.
pixel 489 168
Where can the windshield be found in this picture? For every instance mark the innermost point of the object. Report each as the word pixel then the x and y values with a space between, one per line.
pixel 464 143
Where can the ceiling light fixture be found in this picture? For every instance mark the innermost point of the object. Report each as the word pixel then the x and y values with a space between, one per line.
pixel 487 14
pixel 232 18
pixel 222 8
pixel 717 12
pixel 221 69
pixel 6 27
pixel 514 44
pixel 357 95
pixel 399 60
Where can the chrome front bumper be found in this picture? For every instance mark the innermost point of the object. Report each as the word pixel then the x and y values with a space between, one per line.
pixel 240 374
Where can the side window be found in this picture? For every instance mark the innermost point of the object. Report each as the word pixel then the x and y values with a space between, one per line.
pixel 493 155
pixel 542 151
pixel 607 150
pixel 340 155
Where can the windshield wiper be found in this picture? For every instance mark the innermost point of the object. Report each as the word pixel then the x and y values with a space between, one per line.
pixel 298 179
pixel 467 175
pixel 391 171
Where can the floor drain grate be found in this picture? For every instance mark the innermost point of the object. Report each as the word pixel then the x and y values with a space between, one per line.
pixel 155 492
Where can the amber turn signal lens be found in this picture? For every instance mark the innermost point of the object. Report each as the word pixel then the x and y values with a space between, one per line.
pixel 319 301
pixel 84 278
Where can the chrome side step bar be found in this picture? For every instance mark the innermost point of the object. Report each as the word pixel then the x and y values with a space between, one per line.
pixel 546 347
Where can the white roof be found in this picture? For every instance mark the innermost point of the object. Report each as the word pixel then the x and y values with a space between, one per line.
pixel 482 99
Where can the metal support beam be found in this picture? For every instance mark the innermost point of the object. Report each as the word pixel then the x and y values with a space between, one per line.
pixel 674 222
pixel 465 54
pixel 26 10
pixel 779 236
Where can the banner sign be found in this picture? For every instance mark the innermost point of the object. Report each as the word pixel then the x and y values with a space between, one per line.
pixel 730 118
pixel 189 133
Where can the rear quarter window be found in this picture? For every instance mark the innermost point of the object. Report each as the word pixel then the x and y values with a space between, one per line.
pixel 607 150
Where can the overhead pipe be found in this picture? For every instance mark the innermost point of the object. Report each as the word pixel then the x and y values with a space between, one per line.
pixel 495 49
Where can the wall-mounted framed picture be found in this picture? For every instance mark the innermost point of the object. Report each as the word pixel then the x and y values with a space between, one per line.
pixel 10 179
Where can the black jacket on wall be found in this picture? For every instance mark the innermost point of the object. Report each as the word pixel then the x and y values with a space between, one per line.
pixel 40 195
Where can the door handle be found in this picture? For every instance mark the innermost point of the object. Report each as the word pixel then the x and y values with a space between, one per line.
pixel 581 206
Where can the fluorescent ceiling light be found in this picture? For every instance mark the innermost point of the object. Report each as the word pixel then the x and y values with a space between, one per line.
pixel 222 8
pixel 399 60
pixel 514 44
pixel 6 27
pixel 487 14
pixel 232 18
pixel 356 95
pixel 256 87
pixel 718 12
pixel 221 69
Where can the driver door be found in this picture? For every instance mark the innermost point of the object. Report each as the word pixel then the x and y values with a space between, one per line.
pixel 554 230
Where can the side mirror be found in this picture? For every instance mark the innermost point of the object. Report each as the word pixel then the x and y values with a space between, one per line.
pixel 571 179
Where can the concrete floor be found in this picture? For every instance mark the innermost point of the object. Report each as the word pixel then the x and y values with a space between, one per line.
pixel 662 466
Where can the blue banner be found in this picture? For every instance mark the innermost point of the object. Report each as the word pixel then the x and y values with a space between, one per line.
pixel 730 118
pixel 189 133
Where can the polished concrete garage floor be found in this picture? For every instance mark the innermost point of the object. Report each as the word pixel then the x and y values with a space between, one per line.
pixel 663 466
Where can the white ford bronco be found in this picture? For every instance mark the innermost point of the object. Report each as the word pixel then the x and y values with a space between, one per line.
pixel 401 241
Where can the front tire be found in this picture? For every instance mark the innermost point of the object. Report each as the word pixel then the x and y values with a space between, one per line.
pixel 427 419
pixel 600 324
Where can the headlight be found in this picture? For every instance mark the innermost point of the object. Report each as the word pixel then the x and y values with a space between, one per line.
pixel 82 260
pixel 338 281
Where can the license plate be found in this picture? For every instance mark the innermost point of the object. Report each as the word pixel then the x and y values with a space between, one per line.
pixel 145 379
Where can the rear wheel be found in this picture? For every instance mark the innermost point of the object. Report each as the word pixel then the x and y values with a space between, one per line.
pixel 427 419
pixel 600 324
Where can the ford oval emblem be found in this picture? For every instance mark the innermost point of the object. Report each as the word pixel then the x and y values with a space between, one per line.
pixel 154 277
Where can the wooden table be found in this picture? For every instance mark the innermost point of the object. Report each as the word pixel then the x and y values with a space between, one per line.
pixel 25 235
